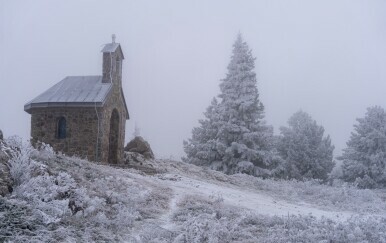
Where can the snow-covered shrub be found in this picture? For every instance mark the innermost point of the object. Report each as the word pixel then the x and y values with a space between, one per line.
pixel 311 229
pixel 154 202
pixel 20 163
pixel 206 228
pixel 364 159
pixel 69 199
pixel 155 234
pixel 194 205
pixel 341 196
pixel 205 222
pixel 48 196
pixel 245 167
pixel 43 152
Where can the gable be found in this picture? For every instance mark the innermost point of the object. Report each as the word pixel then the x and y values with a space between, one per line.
pixel 113 47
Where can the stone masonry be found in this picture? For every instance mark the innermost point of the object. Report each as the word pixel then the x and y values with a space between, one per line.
pixel 82 130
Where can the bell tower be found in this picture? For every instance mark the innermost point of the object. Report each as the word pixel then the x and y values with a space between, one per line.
pixel 112 63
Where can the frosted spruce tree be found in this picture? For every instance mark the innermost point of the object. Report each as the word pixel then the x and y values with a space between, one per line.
pixel 364 159
pixel 307 154
pixel 202 147
pixel 233 137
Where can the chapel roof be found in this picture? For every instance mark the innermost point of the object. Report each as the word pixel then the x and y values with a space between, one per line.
pixel 74 91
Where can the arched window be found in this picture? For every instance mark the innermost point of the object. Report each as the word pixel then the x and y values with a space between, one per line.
pixel 61 132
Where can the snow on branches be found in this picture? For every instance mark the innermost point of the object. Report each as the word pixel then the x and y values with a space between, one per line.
pixel 306 152
pixel 233 137
pixel 364 159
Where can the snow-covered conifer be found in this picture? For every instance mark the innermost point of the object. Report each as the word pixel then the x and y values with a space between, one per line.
pixel 307 154
pixel 201 148
pixel 364 159
pixel 234 137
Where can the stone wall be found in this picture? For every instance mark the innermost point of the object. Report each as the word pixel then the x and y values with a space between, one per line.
pixel 112 67
pixel 114 101
pixel 112 64
pixel 81 130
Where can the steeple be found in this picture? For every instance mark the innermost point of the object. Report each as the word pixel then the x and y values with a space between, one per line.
pixel 112 62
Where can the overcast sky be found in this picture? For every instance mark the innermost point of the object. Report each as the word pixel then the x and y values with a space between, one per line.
pixel 325 57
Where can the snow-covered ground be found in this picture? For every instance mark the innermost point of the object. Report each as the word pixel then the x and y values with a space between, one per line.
pixel 68 199
pixel 255 201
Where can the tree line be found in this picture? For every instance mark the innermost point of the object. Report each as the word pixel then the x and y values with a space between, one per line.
pixel 234 137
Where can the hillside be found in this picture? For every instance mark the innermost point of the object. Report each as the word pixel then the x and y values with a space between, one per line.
pixel 59 198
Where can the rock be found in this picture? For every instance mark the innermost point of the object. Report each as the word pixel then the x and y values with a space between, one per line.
pixel 139 145
pixel 1 135
pixel 5 175
pixel 139 162
pixel 134 158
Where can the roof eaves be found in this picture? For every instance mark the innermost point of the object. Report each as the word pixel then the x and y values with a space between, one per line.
pixel 28 107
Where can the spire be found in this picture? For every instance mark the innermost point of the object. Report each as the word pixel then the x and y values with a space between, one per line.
pixel 113 38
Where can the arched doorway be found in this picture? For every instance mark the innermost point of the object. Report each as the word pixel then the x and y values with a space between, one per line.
pixel 113 137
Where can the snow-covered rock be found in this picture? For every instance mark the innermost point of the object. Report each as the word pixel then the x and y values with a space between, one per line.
pixel 139 162
pixel 140 145
pixel 1 135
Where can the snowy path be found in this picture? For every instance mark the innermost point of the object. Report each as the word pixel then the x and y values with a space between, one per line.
pixel 166 219
pixel 253 200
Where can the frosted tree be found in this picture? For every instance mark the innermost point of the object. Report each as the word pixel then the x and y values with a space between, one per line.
pixel 201 149
pixel 307 154
pixel 364 159
pixel 234 137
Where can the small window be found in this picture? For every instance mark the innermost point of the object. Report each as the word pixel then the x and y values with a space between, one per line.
pixel 61 133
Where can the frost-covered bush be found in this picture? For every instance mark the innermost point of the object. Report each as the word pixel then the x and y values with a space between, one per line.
pixel 340 197
pixel 20 163
pixel 364 159
pixel 43 152
pixel 47 196
pixel 68 199
pixel 207 222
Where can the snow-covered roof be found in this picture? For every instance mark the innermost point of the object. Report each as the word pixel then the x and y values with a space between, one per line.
pixel 112 47
pixel 73 91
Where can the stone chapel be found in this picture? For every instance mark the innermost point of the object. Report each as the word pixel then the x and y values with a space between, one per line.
pixel 84 115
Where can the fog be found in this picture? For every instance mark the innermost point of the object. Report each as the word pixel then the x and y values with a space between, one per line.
pixel 325 57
